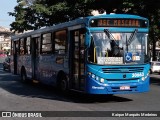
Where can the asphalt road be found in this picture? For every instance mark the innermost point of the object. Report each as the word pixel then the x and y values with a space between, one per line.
pixel 17 96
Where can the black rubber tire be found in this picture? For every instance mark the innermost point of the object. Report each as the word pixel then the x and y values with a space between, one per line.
pixel 63 84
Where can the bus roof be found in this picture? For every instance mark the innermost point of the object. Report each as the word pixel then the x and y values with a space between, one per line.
pixel 118 16
pixel 78 21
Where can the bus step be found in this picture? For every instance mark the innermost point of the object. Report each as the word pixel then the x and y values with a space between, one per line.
pixel 35 81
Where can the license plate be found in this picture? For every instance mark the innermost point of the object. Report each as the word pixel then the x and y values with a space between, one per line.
pixel 125 88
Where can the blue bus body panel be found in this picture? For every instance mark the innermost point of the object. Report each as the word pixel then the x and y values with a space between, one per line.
pixel 126 16
pixel 48 69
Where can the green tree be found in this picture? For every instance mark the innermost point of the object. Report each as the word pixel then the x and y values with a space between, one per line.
pixel 22 14
pixel 34 14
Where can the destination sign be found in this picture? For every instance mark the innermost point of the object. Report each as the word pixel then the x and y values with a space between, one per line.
pixel 110 60
pixel 118 23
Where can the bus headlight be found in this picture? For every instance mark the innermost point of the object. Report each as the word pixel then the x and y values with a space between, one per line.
pixel 102 80
pixel 93 76
pixel 143 78
pixel 97 78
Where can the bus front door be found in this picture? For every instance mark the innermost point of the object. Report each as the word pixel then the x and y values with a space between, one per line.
pixel 34 57
pixel 77 60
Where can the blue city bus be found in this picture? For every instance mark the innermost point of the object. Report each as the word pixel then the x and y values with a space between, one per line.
pixel 104 54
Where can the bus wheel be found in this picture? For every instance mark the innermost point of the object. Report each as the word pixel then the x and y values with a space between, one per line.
pixel 63 84
pixel 23 76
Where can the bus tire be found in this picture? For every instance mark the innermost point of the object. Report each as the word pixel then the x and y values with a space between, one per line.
pixel 63 84
pixel 23 76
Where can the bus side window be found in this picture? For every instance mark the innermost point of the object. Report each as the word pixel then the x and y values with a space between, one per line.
pixel 22 46
pixel 28 43
pixel 82 38
pixel 17 47
pixel 60 41
pixel 12 47
pixel 46 43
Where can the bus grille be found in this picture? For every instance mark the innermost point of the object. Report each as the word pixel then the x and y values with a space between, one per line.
pixel 123 70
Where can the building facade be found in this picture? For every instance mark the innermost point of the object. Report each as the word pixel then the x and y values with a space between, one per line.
pixel 5 39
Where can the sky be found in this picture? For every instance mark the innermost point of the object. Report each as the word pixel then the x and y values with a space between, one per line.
pixel 5 7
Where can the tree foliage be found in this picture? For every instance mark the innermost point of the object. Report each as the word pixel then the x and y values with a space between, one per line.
pixel 34 14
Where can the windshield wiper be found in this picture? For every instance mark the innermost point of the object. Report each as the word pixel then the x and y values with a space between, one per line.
pixel 110 35
pixel 126 44
pixel 132 37
pixel 115 49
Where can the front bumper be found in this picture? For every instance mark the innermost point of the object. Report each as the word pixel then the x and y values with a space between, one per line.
pixel 94 87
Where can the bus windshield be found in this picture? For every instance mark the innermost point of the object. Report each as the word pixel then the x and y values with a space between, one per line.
pixel 118 48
